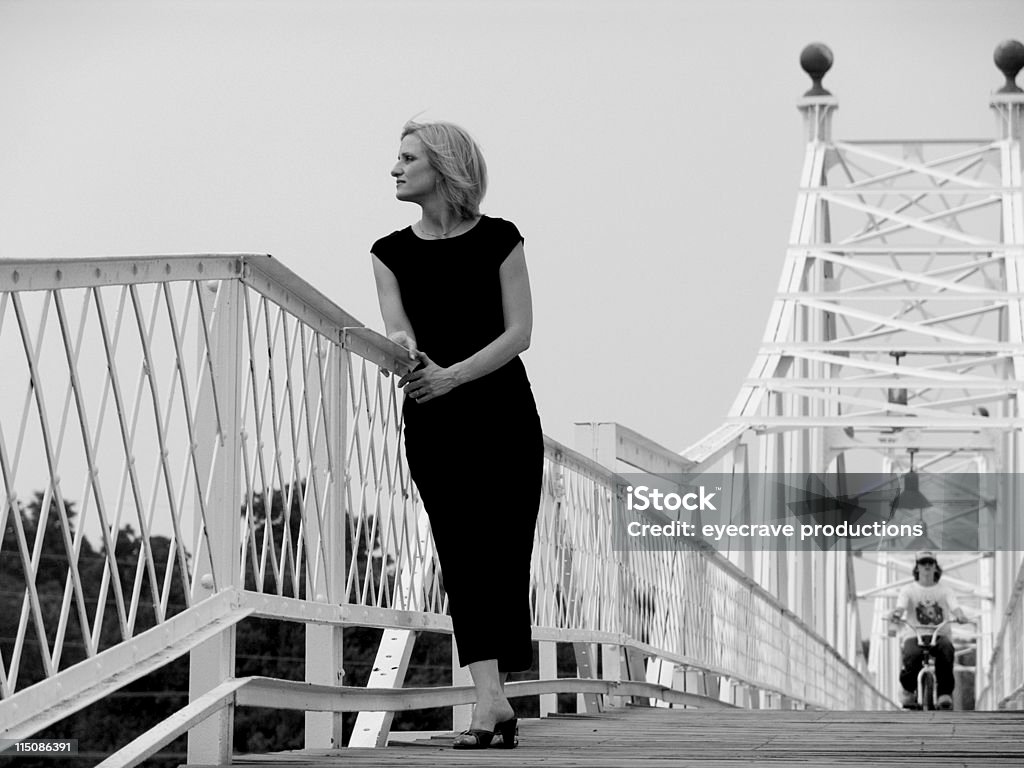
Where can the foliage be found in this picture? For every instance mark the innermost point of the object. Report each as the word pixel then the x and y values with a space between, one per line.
pixel 110 723
pixel 263 647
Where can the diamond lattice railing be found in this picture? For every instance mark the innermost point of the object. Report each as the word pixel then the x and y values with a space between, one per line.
pixel 118 424
pixel 171 428
pixel 103 445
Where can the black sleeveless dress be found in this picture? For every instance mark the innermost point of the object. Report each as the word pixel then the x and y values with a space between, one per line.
pixel 477 452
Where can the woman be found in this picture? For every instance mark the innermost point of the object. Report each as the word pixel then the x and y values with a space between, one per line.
pixel 454 290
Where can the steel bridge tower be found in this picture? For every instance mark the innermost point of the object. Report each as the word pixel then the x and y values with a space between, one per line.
pixel 895 343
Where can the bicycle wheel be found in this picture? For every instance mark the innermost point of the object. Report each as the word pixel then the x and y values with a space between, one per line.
pixel 928 691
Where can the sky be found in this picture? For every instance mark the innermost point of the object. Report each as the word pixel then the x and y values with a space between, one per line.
pixel 648 150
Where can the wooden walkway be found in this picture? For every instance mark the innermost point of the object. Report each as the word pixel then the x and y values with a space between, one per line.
pixel 689 738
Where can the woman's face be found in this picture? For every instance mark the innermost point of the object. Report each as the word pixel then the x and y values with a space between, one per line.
pixel 415 179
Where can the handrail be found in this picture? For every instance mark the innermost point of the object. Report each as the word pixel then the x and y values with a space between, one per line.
pixel 261 272
pixel 33 708
pixel 737 573
pixel 237 418
pixel 61 274
pixel 653 458
pixel 1005 685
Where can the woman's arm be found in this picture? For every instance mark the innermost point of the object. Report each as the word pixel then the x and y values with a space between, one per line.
pixel 517 306
pixel 396 323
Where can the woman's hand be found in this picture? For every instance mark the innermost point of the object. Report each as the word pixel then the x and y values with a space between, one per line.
pixel 404 339
pixel 428 381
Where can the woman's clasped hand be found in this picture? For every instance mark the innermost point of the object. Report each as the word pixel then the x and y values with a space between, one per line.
pixel 428 380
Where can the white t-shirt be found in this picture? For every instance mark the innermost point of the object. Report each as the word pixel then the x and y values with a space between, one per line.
pixel 927 606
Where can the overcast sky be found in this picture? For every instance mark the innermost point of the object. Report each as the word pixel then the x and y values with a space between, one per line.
pixel 649 152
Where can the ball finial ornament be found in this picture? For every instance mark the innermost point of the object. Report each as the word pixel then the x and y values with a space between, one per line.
pixel 1009 57
pixel 816 60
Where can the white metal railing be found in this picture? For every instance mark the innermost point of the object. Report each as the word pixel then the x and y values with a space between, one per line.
pixel 1004 688
pixel 687 605
pixel 237 421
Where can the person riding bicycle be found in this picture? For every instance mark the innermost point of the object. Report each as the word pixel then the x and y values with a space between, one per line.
pixel 927 604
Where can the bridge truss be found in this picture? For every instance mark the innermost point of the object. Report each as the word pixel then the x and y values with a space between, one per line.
pixel 896 343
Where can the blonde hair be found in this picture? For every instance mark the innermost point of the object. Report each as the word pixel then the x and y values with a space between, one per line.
pixel 451 152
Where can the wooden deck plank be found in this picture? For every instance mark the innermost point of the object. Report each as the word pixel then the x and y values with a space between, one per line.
pixel 655 737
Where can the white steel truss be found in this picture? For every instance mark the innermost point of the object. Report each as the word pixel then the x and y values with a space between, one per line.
pixel 897 331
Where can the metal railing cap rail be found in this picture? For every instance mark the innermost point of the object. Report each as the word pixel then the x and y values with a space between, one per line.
pixel 644 454
pixel 261 272
pixel 377 348
pixel 572 459
pixel 274 280
pixel 268 276
pixel 90 272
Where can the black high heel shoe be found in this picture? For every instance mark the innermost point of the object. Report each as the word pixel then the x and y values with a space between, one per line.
pixel 509 732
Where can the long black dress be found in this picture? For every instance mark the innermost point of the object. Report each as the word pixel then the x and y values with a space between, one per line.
pixel 476 452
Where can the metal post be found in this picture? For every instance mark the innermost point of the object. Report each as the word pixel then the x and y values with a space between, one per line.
pixel 637 670
pixel 548 652
pixel 1008 105
pixel 586 668
pixel 218 423
pixel 462 714
pixel 735 465
pixel 599 441
pixel 324 645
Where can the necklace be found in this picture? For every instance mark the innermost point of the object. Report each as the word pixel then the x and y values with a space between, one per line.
pixel 439 235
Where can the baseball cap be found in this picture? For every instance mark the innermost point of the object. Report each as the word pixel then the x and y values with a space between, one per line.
pixel 925 554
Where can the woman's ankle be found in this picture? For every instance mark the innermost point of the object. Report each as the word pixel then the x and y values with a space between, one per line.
pixel 496 709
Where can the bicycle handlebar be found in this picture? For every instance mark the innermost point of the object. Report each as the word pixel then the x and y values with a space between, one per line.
pixel 921 629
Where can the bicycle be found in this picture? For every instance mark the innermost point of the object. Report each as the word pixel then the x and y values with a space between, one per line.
pixel 926 680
